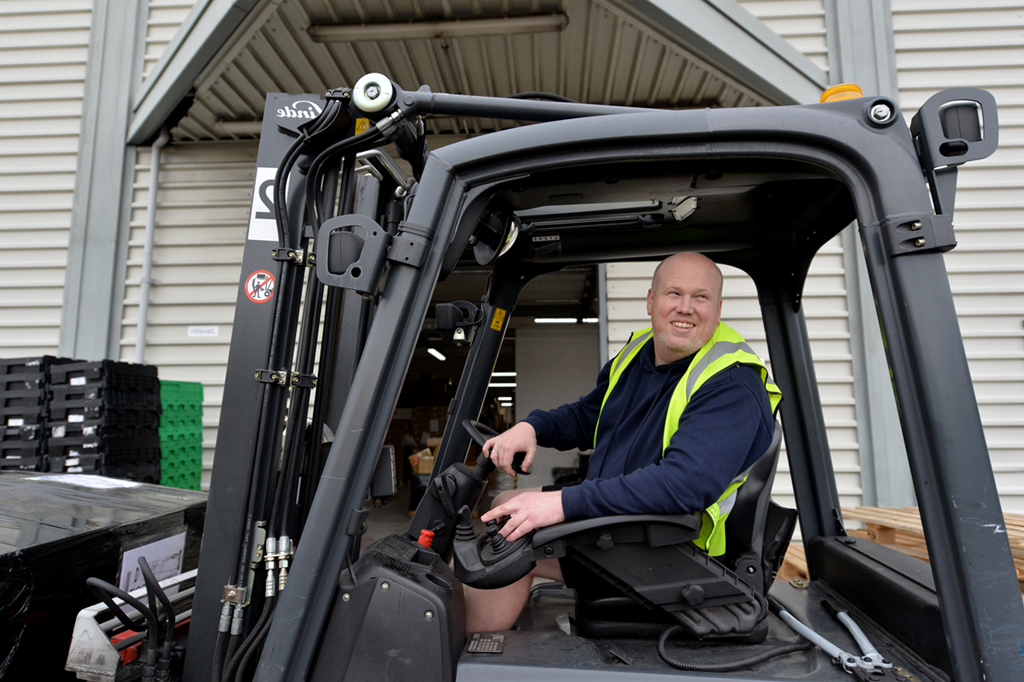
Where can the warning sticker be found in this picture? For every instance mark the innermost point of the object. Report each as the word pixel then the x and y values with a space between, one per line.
pixel 498 319
pixel 362 125
pixel 259 286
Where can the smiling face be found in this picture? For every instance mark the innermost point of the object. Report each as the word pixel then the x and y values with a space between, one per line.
pixel 685 305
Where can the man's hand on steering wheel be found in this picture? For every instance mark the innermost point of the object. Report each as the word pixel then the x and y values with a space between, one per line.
pixel 501 449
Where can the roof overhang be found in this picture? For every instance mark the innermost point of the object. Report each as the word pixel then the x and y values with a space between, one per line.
pixel 717 40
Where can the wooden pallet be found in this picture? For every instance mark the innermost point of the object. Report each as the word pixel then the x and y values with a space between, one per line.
pixel 900 529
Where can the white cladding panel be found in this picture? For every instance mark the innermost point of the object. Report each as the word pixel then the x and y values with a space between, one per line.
pixel 201 216
pixel 828 327
pixel 43 48
pixel 163 21
pixel 800 22
pixel 945 44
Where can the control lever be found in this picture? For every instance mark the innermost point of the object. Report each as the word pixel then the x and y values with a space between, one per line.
pixel 481 433
pixel 489 561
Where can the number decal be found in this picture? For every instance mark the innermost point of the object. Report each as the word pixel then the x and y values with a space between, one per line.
pixel 268 203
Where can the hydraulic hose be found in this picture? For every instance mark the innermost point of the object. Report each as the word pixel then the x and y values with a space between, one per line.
pixel 153 589
pixel 724 666
pixel 105 591
pixel 239 659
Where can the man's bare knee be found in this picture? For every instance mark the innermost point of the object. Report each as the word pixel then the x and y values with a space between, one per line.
pixel 506 495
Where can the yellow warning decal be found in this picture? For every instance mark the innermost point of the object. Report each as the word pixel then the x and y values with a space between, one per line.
pixel 362 125
pixel 498 319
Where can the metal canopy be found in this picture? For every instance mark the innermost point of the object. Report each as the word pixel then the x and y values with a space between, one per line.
pixel 697 53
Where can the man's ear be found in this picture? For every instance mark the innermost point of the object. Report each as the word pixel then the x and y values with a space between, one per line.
pixel 650 301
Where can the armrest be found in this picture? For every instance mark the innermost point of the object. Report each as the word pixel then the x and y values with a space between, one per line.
pixel 656 530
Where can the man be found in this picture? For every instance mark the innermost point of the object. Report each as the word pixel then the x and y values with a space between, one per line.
pixel 676 418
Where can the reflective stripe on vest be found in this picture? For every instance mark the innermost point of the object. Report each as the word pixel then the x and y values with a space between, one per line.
pixel 725 349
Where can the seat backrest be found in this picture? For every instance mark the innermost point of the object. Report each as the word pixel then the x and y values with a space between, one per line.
pixel 745 528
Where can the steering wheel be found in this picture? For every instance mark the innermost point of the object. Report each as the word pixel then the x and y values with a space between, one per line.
pixel 481 433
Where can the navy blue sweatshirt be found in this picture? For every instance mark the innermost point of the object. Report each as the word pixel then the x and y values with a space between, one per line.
pixel 726 426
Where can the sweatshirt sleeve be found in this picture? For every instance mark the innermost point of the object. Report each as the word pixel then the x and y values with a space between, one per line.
pixel 571 426
pixel 716 435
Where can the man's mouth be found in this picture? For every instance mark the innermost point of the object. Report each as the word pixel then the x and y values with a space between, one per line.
pixel 683 325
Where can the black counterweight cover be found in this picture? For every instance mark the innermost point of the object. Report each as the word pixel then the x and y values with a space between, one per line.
pixel 398 614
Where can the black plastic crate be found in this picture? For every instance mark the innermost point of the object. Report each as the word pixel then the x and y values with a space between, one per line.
pixel 28 432
pixel 74 464
pixel 110 395
pixel 145 472
pixel 21 454
pixel 20 415
pixel 108 373
pixel 59 410
pixel 23 399
pixel 34 365
pixel 111 424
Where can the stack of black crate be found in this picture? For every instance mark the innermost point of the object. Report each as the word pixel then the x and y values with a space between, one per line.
pixel 104 418
pixel 23 405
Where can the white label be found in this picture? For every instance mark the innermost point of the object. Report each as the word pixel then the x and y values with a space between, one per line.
pixel 78 381
pixel 71 462
pixel 75 470
pixel 87 481
pixel 58 431
pixel 163 556
pixel 88 430
pixel 15 422
pixel 206 330
pixel 76 418
pixel 262 223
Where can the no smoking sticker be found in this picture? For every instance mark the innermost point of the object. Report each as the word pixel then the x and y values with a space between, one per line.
pixel 259 286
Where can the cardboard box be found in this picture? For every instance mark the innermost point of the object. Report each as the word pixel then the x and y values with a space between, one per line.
pixel 422 461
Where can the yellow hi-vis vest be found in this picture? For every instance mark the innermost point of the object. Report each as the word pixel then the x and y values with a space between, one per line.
pixel 725 349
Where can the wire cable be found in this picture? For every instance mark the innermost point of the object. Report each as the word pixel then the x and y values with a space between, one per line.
pixel 723 666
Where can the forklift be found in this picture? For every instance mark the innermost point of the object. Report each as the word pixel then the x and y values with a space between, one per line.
pixel 342 255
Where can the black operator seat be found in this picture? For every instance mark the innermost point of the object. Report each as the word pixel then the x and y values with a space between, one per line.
pixel 637 575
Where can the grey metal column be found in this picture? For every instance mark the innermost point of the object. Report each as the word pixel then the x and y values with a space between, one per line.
pixel 98 244
pixel 861 50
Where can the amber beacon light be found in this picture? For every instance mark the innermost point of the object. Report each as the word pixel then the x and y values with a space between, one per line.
pixel 841 92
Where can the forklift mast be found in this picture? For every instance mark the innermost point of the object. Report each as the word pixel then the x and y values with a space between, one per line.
pixel 336 226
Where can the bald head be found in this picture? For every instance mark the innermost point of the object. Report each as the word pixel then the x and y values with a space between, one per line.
pixel 693 262
pixel 685 305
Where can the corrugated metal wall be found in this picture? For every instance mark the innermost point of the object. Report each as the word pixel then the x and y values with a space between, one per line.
pixel 952 44
pixel 43 49
pixel 827 324
pixel 201 217
pixel 165 17
pixel 800 22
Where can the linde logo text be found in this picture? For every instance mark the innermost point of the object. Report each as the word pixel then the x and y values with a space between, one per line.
pixel 300 109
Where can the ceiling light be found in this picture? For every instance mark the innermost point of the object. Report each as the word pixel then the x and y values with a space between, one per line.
pixel 503 374
pixel 554 320
pixel 501 385
pixel 437 354
pixel 450 28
